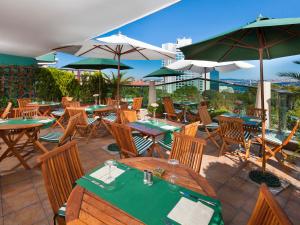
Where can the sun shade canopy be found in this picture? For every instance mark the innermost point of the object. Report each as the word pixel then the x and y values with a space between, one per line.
pixel 97 64
pixel 164 72
pixel 32 28
pixel 277 37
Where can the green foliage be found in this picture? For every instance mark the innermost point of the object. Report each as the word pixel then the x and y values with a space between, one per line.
pixel 160 109
pixel 186 93
pixel 112 82
pixel 52 84
pixel 217 112
pixel 294 75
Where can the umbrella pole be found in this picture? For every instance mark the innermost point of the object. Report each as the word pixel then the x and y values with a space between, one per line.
pixel 262 100
pixel 118 81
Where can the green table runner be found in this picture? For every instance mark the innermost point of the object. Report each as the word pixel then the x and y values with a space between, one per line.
pixel 45 103
pixel 248 120
pixel 47 122
pixel 150 204
pixel 168 137
pixel 92 108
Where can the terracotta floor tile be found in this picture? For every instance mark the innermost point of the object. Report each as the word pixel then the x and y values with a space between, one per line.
pixel 241 218
pixel 228 212
pixel 26 216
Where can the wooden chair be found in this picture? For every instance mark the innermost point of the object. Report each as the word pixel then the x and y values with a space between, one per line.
pixel 65 100
pixel 275 142
pixel 188 150
pixel 232 132
pixel 189 130
pixel 172 113
pixel 6 111
pixel 110 101
pixel 256 112
pixel 128 116
pixel 130 146
pixel 137 103
pixel 22 102
pixel 267 210
pixel 85 125
pixel 60 169
pixel 211 128
pixel 72 104
pixel 62 137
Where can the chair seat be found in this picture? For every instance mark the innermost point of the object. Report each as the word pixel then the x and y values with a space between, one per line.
pixel 177 111
pixel 110 117
pixel 51 137
pixel 62 210
pixel 91 120
pixel 166 143
pixel 142 144
pixel 233 133
pixel 58 113
pixel 274 136
pixel 212 125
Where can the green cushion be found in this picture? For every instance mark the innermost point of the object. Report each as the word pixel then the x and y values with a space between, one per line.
pixel 110 117
pixel 58 113
pixel 91 120
pixel 51 137
pixel 62 210
pixel 166 143
pixel 142 144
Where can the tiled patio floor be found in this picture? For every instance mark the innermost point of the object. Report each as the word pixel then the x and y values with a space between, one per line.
pixel 24 200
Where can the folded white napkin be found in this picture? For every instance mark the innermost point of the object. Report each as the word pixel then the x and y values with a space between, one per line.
pixel 2 121
pixel 188 212
pixel 168 127
pixel 45 121
pixel 103 174
pixel 144 121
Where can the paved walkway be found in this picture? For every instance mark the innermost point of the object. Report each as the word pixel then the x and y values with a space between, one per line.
pixel 24 200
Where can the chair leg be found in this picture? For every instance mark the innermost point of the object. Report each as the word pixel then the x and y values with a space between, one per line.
pixel 247 146
pixel 211 138
pixel 222 148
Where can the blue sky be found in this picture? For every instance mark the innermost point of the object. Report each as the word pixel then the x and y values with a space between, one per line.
pixel 200 20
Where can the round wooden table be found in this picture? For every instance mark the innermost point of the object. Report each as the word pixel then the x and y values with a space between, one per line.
pixel 84 207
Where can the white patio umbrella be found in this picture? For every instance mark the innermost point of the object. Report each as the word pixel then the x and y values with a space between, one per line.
pixel 116 47
pixel 202 66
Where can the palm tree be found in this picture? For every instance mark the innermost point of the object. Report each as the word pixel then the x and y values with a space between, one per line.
pixel 112 81
pixel 294 75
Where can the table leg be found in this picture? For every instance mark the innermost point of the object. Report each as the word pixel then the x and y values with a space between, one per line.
pixel 35 141
pixel 11 148
pixel 184 115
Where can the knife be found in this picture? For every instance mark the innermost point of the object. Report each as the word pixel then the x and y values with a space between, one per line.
pixel 186 194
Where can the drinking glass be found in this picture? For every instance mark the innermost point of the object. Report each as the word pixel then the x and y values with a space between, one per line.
pixel 173 176
pixel 110 163
pixel 165 115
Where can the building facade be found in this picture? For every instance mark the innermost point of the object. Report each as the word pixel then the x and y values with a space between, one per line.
pixel 174 47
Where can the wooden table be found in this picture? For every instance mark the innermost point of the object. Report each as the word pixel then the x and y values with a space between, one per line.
pixel 84 207
pixel 153 132
pixel 14 134
pixel 184 105
pixel 46 106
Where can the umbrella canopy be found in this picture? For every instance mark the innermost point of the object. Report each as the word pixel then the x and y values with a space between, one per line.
pixel 116 47
pixel 261 39
pixel 61 22
pixel 164 72
pixel 201 66
pixel 97 64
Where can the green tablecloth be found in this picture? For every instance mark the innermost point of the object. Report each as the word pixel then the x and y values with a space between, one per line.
pixel 92 108
pixel 46 122
pixel 45 103
pixel 150 204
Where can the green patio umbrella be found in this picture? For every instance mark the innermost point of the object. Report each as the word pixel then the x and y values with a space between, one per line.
pixel 164 72
pixel 97 64
pixel 261 39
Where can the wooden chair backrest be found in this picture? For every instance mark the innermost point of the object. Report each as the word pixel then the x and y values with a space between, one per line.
pixel 231 129
pixel 190 129
pixel 168 105
pixel 123 136
pixel 61 167
pixel 22 102
pixel 137 103
pixel 65 100
pixel 204 115
pixel 267 210
pixel 6 111
pixel 83 118
pixel 72 104
pixel 256 112
pixel 123 105
pixel 291 134
pixel 29 112
pixel 110 101
pixel 70 130
pixel 128 116
pixel 188 150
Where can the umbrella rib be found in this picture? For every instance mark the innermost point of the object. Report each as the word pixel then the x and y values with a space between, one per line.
pixel 91 49
pixel 164 54
pixel 136 49
pixel 234 45
pixel 132 50
pixel 264 43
